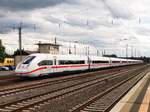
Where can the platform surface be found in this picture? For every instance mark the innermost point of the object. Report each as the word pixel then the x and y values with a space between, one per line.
pixel 137 99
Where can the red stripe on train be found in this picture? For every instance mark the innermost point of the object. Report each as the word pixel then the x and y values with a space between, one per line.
pixel 70 66
pixel 64 66
pixel 41 68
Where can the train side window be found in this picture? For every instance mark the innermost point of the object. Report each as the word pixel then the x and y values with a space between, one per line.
pixel 67 62
pixel 115 61
pixel 89 60
pixel 45 62
pixel 100 61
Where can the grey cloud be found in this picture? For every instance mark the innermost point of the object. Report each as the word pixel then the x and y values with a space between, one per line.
pixel 30 4
pixel 53 19
pixel 70 21
pixel 8 24
pixel 117 10
pixel 76 22
pixel 142 30
pixel 2 15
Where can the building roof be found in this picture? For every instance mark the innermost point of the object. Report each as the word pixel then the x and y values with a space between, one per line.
pixel 26 52
pixel 31 52
pixel 50 44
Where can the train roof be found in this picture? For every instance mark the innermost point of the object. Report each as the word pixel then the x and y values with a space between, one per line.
pixel 99 58
pixel 79 57
pixel 71 57
pixel 61 57
pixel 116 59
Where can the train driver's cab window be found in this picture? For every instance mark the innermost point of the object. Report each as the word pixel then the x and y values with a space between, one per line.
pixel 45 62
pixel 28 59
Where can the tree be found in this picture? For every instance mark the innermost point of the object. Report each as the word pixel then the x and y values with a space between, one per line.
pixel 17 52
pixel 2 53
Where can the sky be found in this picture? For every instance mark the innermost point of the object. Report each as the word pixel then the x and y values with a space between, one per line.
pixel 104 25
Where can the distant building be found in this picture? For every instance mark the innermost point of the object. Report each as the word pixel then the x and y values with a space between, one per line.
pixel 48 48
pixel 42 48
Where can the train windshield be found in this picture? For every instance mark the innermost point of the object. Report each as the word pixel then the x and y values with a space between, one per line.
pixel 28 59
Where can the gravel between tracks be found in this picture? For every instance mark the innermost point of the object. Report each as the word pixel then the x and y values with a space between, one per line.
pixel 5 99
pixel 63 104
pixel 20 83
pixel 15 97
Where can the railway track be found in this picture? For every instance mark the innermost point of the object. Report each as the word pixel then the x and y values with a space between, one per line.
pixel 39 83
pixel 47 83
pixel 73 101
pixel 105 101
pixel 9 81
pixel 16 82
pixel 32 102
pixel 11 94
pixel 8 84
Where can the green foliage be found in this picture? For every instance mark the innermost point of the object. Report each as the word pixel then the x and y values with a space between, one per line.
pixel 17 52
pixel 2 53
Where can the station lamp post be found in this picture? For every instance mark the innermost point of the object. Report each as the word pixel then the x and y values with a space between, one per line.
pixel 126 50
pixel 75 49
pixel 20 40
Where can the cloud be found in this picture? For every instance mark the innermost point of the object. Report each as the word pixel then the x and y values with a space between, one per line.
pixel 99 23
pixel 142 30
pixel 118 9
pixel 20 5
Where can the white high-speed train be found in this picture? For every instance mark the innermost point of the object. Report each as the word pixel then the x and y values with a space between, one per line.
pixel 38 64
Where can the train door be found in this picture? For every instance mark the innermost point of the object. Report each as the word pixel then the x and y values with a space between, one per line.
pixel 110 62
pixel 89 63
pixel 55 64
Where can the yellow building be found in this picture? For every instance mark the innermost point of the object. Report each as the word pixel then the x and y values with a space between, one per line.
pixel 8 62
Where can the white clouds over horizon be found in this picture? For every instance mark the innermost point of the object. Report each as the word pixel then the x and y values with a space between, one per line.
pixel 100 23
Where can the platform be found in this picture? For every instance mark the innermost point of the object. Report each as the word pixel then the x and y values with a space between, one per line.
pixel 137 99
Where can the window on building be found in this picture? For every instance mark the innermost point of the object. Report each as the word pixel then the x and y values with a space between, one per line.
pixel 45 62
pixel 67 62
